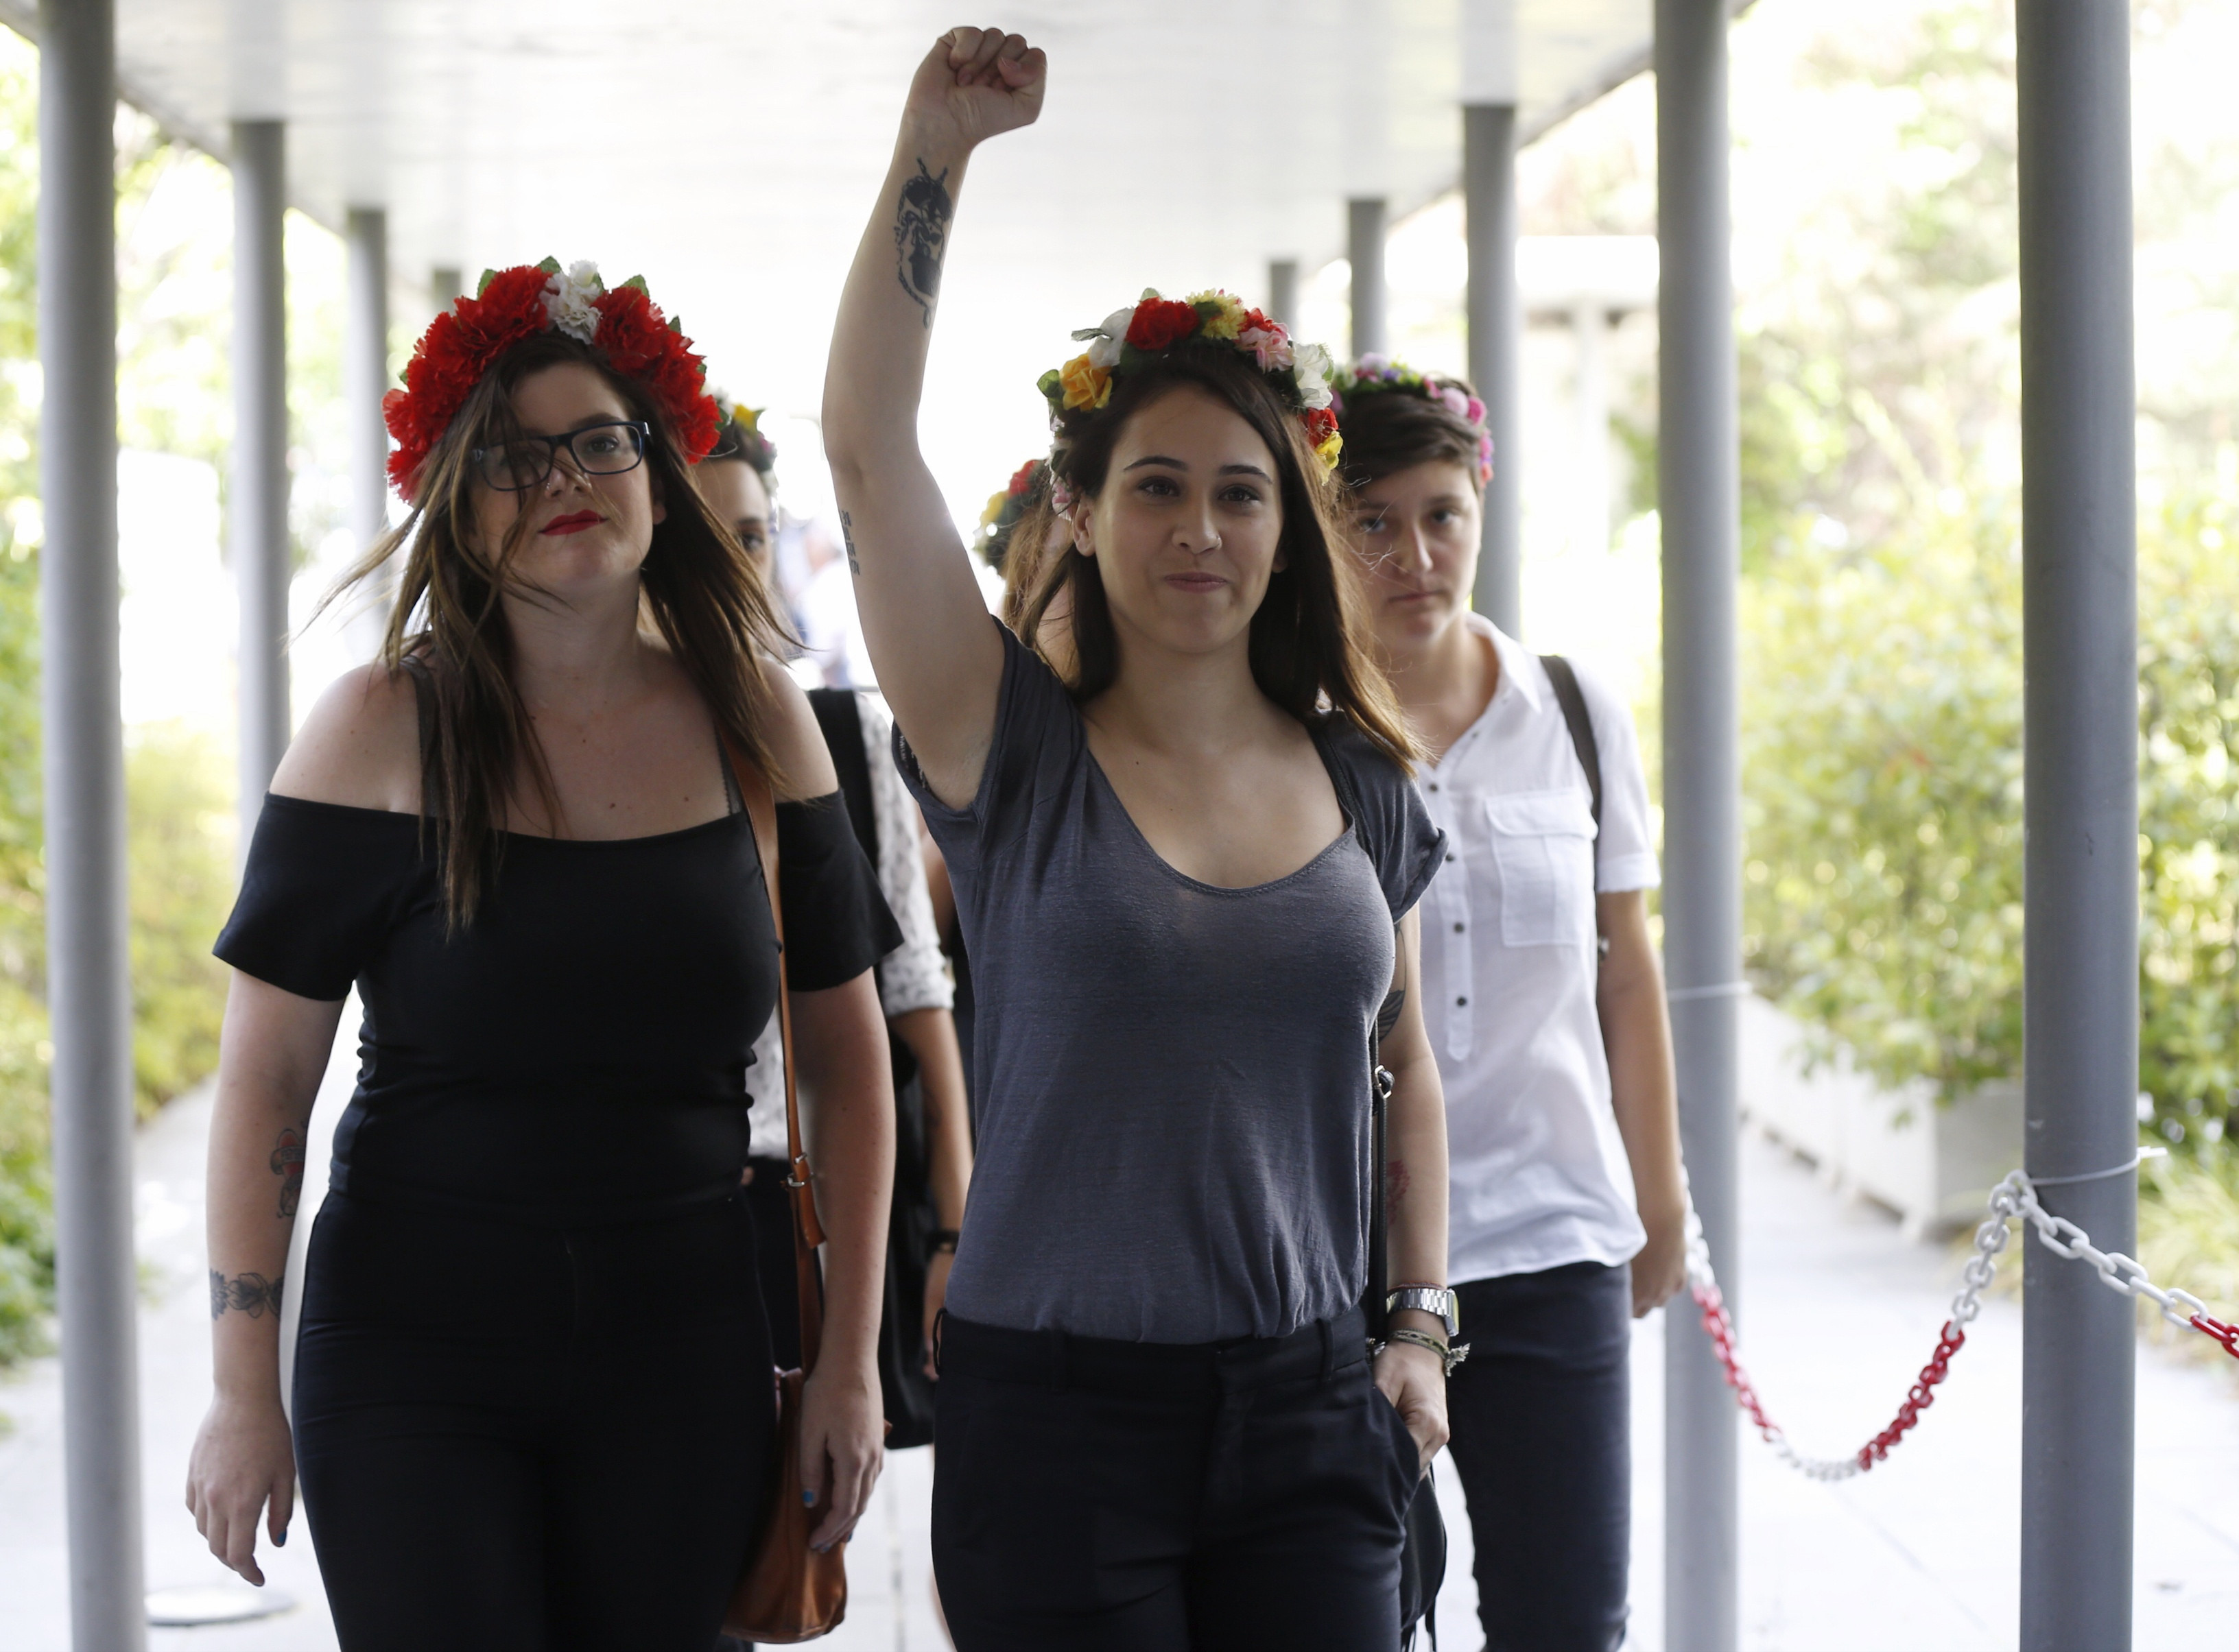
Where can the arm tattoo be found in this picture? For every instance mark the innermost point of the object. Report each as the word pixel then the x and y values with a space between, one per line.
pixel 288 1165
pixel 1397 1180
pixel 921 235
pixel 848 538
pixel 252 1293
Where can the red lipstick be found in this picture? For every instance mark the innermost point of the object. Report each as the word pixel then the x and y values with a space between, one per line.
pixel 573 522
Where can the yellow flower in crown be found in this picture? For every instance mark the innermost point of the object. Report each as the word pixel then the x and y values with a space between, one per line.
pixel 1220 315
pixel 1087 385
pixel 996 501
pixel 1328 449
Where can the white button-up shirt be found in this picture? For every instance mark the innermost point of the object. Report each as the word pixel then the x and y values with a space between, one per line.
pixel 1538 1176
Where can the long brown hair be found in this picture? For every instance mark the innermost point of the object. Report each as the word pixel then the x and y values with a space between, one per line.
pixel 1308 639
pixel 447 621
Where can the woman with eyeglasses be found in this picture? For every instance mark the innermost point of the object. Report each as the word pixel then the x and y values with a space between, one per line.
pixel 533 1403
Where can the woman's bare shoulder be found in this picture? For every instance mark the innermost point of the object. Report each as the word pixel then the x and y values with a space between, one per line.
pixel 360 747
pixel 796 739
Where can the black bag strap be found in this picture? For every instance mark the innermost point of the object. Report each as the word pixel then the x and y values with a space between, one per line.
pixel 840 716
pixel 1582 734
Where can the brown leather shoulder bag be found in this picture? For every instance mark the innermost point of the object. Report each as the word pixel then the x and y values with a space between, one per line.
pixel 786 1592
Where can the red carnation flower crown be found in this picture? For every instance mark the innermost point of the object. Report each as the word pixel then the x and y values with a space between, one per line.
pixel 622 323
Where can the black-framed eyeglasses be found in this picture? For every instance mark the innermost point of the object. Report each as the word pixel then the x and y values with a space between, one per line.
pixel 595 450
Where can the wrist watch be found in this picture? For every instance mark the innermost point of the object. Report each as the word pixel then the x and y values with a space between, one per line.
pixel 1430 1299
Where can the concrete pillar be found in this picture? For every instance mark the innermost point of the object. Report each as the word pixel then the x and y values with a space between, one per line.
pixel 1282 291
pixel 365 381
pixel 1496 341
pixel 1698 467
pixel 1363 222
pixel 2080 722
pixel 258 540
pixel 89 997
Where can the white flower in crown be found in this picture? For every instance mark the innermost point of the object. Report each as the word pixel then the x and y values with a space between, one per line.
pixel 1105 338
pixel 1311 364
pixel 570 300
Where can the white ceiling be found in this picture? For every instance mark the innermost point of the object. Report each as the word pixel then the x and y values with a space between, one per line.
pixel 729 149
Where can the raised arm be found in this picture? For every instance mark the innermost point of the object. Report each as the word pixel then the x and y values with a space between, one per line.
pixel 939 660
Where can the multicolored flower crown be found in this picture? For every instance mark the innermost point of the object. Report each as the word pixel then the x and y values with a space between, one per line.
pixel 1154 326
pixel 1007 508
pixel 739 434
pixel 509 305
pixel 1375 375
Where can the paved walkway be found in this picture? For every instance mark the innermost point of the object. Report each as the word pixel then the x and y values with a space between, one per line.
pixel 1839 1311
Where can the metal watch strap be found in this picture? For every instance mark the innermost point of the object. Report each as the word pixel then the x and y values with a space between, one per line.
pixel 1429 1299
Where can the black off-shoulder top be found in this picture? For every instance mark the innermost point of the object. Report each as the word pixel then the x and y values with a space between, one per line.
pixel 579 1051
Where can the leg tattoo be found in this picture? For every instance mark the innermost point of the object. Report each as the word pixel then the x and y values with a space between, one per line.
pixel 921 235
pixel 848 538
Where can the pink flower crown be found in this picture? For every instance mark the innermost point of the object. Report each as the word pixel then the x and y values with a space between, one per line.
pixel 1127 339
pixel 1375 375
pixel 509 305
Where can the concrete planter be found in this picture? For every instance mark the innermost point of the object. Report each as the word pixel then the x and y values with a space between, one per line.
pixel 1934 1166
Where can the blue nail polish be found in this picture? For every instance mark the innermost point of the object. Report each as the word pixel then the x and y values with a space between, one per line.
pixel 281 1542
pixel 808 1497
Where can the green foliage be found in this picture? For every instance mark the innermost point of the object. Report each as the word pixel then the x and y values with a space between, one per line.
pixel 179 834
pixel 1881 752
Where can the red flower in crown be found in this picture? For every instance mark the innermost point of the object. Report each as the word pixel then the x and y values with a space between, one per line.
pixel 1159 322
pixel 461 345
pixel 1023 477
pixel 1321 425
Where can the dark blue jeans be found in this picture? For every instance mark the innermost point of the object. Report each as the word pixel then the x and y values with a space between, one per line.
pixel 1542 1445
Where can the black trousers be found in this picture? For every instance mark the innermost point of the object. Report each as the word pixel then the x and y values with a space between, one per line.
pixel 533 1438
pixel 1542 1445
pixel 1117 1497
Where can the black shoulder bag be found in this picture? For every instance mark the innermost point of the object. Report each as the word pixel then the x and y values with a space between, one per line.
pixel 911 1218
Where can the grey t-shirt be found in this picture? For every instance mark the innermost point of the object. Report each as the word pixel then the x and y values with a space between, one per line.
pixel 1174 1097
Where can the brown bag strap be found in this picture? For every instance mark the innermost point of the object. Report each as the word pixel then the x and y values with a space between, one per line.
pixel 808 1231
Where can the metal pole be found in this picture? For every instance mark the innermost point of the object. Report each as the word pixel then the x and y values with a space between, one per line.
pixel 2080 722
pixel 259 505
pixel 365 373
pixel 1496 339
pixel 1699 484
pixel 89 998
pixel 1283 290
pixel 1363 222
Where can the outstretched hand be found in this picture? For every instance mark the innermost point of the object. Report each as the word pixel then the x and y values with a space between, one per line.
pixel 975 84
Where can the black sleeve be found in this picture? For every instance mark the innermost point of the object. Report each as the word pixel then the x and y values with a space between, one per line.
pixel 836 922
pixel 318 893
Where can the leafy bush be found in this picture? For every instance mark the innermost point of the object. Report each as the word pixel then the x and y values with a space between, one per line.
pixel 179 834
pixel 1882 768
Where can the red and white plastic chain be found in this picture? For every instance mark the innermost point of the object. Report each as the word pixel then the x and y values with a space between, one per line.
pixel 2014 1197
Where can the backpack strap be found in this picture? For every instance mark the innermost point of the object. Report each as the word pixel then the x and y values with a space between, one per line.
pixel 807 1232
pixel 1566 681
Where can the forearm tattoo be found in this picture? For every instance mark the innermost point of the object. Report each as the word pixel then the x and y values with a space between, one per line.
pixel 288 1165
pixel 848 538
pixel 252 1293
pixel 1397 1180
pixel 921 235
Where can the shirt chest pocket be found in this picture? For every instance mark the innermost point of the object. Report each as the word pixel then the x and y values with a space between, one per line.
pixel 1543 847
